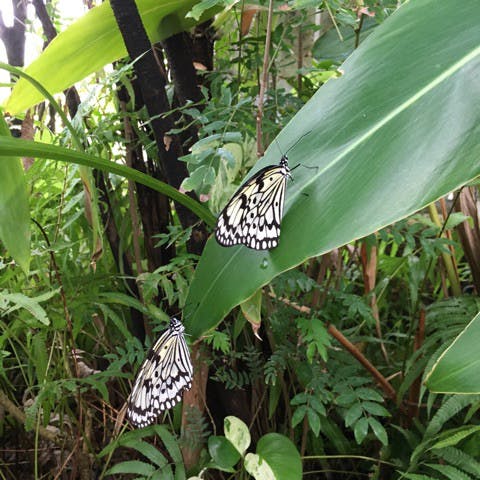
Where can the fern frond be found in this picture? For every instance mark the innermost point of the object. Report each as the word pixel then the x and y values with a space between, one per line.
pixel 448 410
pixel 458 458
pixel 450 472
pixel 417 476
pixel 451 437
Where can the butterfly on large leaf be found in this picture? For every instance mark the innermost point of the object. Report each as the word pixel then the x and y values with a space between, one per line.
pixel 253 215
pixel 163 376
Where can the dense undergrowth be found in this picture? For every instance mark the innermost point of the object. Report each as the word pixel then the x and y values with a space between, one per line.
pixel 336 362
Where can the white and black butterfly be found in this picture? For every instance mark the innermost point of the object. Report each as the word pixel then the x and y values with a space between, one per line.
pixel 253 215
pixel 163 376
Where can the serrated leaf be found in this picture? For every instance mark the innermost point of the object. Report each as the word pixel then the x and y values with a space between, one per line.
pixel 19 300
pixel 450 472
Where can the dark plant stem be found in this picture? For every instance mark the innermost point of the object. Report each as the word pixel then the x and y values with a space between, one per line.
pixel 358 30
pixel 414 392
pixel 152 86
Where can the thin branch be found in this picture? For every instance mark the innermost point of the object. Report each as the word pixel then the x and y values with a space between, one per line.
pixel 350 347
pixel 16 413
pixel 264 80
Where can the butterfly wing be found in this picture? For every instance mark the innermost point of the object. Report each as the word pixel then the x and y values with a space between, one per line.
pixel 163 376
pixel 253 215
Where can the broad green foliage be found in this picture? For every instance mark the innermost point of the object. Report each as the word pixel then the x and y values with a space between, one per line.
pixel 394 128
pixel 384 142
pixel 456 370
pixel 276 457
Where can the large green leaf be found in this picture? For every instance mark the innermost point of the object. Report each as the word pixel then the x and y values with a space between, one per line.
pixel 14 211
pixel 399 129
pixel 94 41
pixel 276 459
pixel 456 370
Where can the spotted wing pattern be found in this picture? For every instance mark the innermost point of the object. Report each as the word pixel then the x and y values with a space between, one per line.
pixel 163 376
pixel 253 215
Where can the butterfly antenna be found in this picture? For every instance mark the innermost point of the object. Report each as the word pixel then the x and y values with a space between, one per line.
pixel 304 135
pixel 278 145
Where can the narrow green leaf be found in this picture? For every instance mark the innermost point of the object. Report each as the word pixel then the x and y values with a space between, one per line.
pixel 40 356
pixel 313 421
pixel 375 409
pixel 298 415
pixel 417 476
pixel 11 146
pixel 275 391
pixel 450 472
pixel 19 300
pixel 121 299
pixel 14 209
pixel 132 466
pixel 173 449
pixel 360 430
pixel 378 430
pixel 152 453
pixel 368 394
pixel 453 438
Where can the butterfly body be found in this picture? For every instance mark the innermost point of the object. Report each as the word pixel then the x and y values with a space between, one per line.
pixel 253 215
pixel 163 376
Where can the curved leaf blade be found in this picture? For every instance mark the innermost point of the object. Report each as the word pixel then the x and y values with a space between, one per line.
pixel 280 454
pixel 397 131
pixel 94 41
pixel 456 369
pixel 12 146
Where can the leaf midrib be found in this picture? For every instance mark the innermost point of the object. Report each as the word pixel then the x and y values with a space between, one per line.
pixel 395 112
